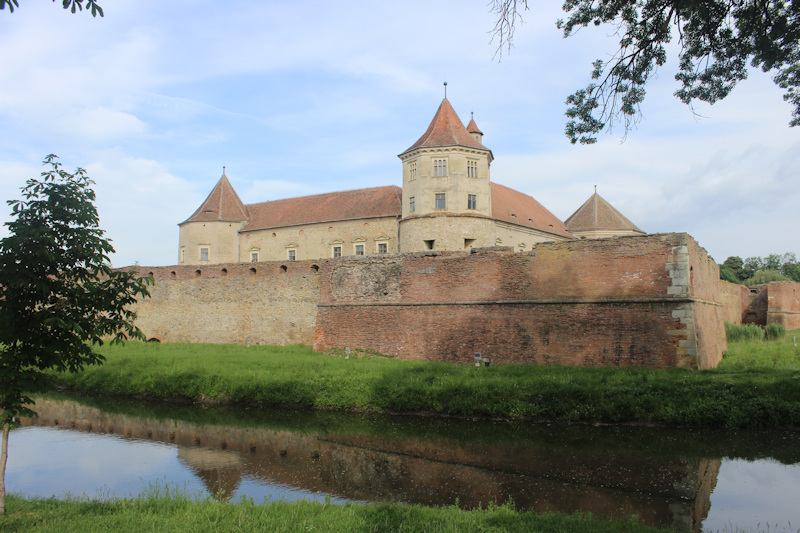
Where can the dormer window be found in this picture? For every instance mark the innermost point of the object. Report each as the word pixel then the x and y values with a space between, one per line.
pixel 440 168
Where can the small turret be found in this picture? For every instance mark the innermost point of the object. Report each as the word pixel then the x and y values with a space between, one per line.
pixel 473 129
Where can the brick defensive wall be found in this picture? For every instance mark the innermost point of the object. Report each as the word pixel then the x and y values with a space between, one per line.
pixel 651 300
pixel 240 303
pixel 644 301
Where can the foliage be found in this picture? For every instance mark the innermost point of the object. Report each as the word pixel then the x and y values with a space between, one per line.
pixel 762 393
pixel 725 273
pixel 72 5
pixel 733 265
pixel 743 332
pixel 171 510
pixel 717 40
pixel 774 332
pixel 765 276
pixel 59 295
pixel 781 268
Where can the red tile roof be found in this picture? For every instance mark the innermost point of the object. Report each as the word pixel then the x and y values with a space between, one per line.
pixel 513 206
pixel 222 204
pixel 472 127
pixel 346 205
pixel 446 129
pixel 596 213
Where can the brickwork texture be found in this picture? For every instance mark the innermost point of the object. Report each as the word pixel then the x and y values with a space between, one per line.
pixel 653 300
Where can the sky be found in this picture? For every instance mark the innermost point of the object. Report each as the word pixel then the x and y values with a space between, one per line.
pixel 299 98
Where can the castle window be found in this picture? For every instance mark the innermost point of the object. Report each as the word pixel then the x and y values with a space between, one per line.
pixel 472 168
pixel 411 205
pixel 472 201
pixel 337 251
pixel 254 257
pixel 183 255
pixel 441 200
pixel 412 171
pixel 440 168
pixel 383 248
pixel 292 255
pixel 359 249
pixel 203 254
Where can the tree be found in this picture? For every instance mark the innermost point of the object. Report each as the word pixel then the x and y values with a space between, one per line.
pixel 72 5
pixel 58 295
pixel 734 264
pixel 717 41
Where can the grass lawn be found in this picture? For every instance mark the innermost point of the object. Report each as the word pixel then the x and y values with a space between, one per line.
pixel 757 384
pixel 172 512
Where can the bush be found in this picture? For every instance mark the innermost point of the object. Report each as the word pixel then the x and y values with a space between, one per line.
pixel 774 332
pixel 765 276
pixel 744 332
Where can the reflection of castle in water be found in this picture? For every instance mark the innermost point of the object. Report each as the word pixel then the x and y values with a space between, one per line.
pixel 665 491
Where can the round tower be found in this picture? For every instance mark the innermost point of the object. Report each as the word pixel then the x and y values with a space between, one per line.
pixel 447 202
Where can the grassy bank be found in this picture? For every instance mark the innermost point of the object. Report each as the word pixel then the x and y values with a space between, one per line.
pixel 172 512
pixel 756 385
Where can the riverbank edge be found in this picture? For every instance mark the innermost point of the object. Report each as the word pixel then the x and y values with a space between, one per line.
pixel 216 402
pixel 170 511
pixel 745 396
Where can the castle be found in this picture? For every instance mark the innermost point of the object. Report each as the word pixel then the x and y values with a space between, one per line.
pixel 447 203
pixel 451 267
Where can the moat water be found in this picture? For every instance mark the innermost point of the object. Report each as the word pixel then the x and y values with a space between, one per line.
pixel 695 480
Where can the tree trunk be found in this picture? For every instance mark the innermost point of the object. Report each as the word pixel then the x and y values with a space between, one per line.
pixel 3 458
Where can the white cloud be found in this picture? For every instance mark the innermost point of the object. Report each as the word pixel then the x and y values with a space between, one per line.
pixel 302 98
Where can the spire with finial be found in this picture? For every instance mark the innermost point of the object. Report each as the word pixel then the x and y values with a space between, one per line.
pixel 445 90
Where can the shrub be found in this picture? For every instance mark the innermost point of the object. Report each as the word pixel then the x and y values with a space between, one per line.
pixel 774 332
pixel 743 332
pixel 765 276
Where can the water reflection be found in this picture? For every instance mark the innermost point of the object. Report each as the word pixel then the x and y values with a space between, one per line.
pixel 666 477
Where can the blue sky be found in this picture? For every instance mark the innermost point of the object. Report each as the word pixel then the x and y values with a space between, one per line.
pixel 300 98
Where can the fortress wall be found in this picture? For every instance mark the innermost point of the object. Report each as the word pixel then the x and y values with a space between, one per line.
pixel 230 303
pixel 783 299
pixel 642 300
pixel 705 288
pixel 757 307
pixel 735 300
pixel 625 301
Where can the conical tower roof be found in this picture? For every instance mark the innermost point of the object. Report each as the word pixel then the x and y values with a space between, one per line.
pixel 222 204
pixel 597 214
pixel 446 129
pixel 473 128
